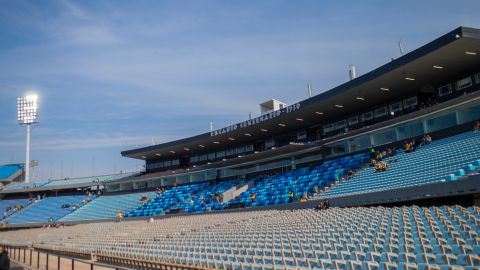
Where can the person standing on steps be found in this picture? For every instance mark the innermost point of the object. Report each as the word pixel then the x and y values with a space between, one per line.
pixel 4 260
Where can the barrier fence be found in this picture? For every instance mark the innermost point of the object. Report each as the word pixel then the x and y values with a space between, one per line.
pixel 43 259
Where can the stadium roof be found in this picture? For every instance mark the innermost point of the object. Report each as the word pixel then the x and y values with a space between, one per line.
pixel 448 56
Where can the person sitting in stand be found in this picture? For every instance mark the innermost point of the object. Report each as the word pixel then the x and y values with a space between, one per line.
pixel 120 214
pixel 290 196
pixel 350 174
pixel 144 198
pixel 428 139
pixel 304 197
pixel 373 162
pixel 372 152
pixel 476 127
pixel 379 156
pixel 384 166
pixel 408 147
pixel 319 206
pixel 381 166
pixel 377 167
pixel 327 204
pixel 252 197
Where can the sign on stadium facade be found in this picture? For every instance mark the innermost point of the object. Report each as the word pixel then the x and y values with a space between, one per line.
pixel 256 120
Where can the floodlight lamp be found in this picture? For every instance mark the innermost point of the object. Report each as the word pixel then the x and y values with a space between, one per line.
pixel 27 108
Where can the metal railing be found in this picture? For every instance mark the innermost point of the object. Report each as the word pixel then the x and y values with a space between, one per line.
pixel 44 259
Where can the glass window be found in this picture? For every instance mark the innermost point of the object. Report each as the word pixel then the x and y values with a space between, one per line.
pixel 240 150
pixel 441 122
pixel 384 137
pixel 477 78
pixel 230 152
pixel 444 90
pixel 202 157
pixel 410 102
pixel 359 143
pixel 339 148
pixel 211 156
pixel 194 159
pixel 175 162
pixel 220 154
pixel 249 148
pixel 328 128
pixel 396 107
pixel 409 130
pixel 210 174
pixel 167 163
pixel 301 135
pixel 341 124
pixel 269 143
pixel 469 114
pixel 198 177
pixel 353 120
pixel 367 116
pixel 381 112
pixel 183 179
pixel 464 83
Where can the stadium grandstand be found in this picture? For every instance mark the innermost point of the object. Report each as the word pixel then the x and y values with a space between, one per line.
pixel 381 172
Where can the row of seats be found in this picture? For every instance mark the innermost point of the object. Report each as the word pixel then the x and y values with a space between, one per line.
pixel 73 181
pixel 343 238
pixel 5 204
pixel 8 170
pixel 24 185
pixel 275 189
pixel 89 179
pixel 442 160
pixel 191 198
pixel 49 208
pixel 107 206
pixel 268 191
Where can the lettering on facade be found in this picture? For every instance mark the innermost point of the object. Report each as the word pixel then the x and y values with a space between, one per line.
pixel 256 120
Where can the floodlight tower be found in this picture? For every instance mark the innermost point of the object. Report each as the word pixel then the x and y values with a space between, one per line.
pixel 27 108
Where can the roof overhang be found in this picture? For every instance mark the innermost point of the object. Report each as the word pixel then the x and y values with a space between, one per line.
pixel 448 52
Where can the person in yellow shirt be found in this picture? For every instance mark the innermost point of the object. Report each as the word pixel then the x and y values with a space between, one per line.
pixel 120 214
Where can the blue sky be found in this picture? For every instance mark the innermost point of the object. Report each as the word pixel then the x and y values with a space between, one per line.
pixel 114 74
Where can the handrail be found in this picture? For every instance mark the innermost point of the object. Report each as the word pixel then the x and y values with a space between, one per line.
pixel 40 256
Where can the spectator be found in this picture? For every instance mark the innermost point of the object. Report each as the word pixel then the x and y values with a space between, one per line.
pixel 381 166
pixel 220 197
pixel 428 139
pixel 252 197
pixel 4 260
pixel 151 220
pixel 290 196
pixel 350 174
pixel 304 197
pixel 389 152
pixel 372 152
pixel 120 214
pixel 476 127
pixel 373 162
pixel 408 147
pixel 319 206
